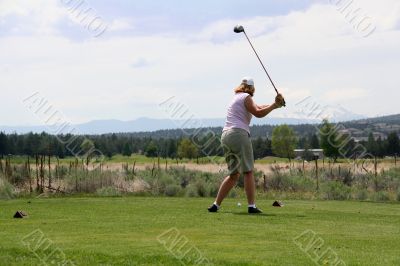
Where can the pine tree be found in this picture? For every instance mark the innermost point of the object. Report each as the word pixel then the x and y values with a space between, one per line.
pixel 393 144
pixel 314 142
pixel 3 144
pixel 127 150
pixel 151 149
pixel 330 140
pixel 371 145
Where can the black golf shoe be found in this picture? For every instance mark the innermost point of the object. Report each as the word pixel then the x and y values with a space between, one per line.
pixel 213 208
pixel 254 210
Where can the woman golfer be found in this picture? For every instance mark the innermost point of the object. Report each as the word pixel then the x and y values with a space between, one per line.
pixel 237 144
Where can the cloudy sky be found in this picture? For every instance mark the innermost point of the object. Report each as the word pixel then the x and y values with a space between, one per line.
pixel 121 59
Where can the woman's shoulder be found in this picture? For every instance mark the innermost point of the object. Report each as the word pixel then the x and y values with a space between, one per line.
pixel 242 94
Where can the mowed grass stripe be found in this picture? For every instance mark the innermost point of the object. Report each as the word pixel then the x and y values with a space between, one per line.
pixel 124 230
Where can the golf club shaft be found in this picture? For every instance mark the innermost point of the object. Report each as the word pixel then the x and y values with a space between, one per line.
pixel 266 72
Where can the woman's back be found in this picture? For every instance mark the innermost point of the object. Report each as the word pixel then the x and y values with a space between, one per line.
pixel 238 116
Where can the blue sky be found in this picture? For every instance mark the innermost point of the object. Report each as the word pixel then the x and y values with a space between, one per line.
pixel 198 12
pixel 152 50
pixel 181 16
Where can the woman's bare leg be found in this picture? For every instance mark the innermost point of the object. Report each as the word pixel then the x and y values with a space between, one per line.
pixel 226 186
pixel 250 187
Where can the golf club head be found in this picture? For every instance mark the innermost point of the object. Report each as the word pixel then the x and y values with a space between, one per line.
pixel 238 29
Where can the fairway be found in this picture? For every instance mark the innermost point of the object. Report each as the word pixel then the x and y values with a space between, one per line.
pixel 128 231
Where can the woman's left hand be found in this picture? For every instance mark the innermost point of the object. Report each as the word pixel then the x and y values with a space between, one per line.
pixel 279 100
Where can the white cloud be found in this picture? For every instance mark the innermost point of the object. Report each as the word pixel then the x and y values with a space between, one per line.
pixel 39 16
pixel 121 24
pixel 345 94
pixel 48 17
pixel 312 52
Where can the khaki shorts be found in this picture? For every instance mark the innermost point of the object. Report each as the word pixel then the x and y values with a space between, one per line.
pixel 238 150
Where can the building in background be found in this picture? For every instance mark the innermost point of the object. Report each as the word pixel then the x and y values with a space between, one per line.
pixel 303 153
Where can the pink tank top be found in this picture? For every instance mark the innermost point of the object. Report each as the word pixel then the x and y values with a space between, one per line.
pixel 238 116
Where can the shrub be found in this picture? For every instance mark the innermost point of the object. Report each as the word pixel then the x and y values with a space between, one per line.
pixel 108 192
pixel 391 178
pixel 347 177
pixel 362 194
pixel 280 182
pixel 335 190
pixel 6 190
pixel 163 182
pixel 19 176
pixel 172 190
pixel 89 181
pixel 393 172
pixel 201 188
pixel 286 182
pixel 212 189
pixel 362 180
pixel 381 196
pixel 62 172
pixel 191 191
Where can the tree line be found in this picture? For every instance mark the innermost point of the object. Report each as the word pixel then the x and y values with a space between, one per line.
pixel 111 144
pixel 282 141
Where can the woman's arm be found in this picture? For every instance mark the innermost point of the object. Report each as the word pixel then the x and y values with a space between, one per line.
pixel 258 111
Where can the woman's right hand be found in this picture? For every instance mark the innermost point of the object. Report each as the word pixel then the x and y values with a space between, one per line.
pixel 279 100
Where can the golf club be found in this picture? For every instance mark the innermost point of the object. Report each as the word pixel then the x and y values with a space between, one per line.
pixel 239 29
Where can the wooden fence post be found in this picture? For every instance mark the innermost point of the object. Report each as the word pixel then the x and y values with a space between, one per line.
pixel 376 173
pixel 265 183
pixel 49 162
pixel 76 175
pixel 37 173
pixel 42 162
pixel 316 172
pixel 28 166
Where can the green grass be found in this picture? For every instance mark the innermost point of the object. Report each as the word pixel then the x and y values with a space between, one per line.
pixel 124 230
pixel 272 159
pixel 138 158
pixel 142 159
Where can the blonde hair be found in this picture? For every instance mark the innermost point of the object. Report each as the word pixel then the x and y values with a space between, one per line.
pixel 246 89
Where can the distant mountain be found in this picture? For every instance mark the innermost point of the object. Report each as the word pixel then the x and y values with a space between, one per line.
pixel 148 124
pixel 165 128
pixel 339 114
pixel 333 113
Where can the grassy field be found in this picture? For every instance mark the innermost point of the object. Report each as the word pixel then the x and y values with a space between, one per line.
pixel 129 231
pixel 138 158
pixel 142 159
